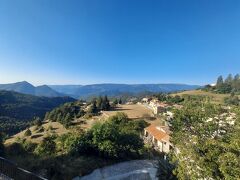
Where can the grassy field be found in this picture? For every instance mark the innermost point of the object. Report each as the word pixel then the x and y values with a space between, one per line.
pixel 133 111
pixel 216 98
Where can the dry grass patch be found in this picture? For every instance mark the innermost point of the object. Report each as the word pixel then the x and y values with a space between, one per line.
pixel 134 111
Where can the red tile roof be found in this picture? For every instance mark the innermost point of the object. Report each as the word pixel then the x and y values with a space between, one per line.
pixel 158 134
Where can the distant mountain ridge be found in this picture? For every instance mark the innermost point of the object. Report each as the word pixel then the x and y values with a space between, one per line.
pixel 85 91
pixel 27 88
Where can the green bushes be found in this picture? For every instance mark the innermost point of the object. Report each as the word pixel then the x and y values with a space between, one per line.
pixel 208 144
pixel 118 137
pixel 40 129
pixel 66 142
pixel 47 146
pixel 21 147
pixel 28 132
pixel 65 113
pixel 232 100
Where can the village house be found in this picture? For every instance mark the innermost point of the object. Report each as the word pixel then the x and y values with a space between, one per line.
pixel 158 136
pixel 158 107
pixel 155 105
pixel 146 100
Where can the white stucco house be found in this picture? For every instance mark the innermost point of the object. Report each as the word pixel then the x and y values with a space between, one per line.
pixel 158 136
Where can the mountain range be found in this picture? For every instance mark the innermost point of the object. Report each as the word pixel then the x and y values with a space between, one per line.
pixel 27 88
pixel 85 91
pixel 80 91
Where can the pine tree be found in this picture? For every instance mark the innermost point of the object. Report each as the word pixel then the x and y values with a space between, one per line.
pixel 115 102
pixel 236 83
pixel 99 103
pixel 120 101
pixel 106 103
pixel 28 132
pixel 67 120
pixel 219 81
pixel 229 79
pixel 93 108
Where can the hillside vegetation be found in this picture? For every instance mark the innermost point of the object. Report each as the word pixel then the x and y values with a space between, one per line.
pixel 17 110
pixel 206 136
pixel 68 112
pixel 75 153
pixel 229 85
pixel 36 133
pixel 214 97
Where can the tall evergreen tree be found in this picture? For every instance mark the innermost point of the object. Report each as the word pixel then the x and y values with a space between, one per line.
pixel 236 83
pixel 107 104
pixel 229 79
pixel 237 77
pixel 67 120
pixel 219 81
pixel 93 108
pixel 99 102
pixel 120 101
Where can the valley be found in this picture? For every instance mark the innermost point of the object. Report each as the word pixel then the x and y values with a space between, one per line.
pixel 76 137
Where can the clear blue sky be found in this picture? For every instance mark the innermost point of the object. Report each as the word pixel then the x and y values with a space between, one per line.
pixel 118 41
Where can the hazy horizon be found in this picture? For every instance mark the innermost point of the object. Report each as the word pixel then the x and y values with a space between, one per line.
pixel 95 83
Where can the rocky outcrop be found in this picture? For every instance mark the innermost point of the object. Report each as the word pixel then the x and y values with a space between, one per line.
pixel 130 170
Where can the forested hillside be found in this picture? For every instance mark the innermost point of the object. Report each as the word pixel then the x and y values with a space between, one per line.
pixel 17 110
pixel 66 113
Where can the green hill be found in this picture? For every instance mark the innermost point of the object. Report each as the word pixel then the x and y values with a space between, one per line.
pixel 17 110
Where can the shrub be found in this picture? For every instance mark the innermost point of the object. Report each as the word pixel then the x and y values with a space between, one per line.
pixel 28 132
pixel 15 149
pixel 50 128
pixel 40 129
pixel 115 138
pixel 46 147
